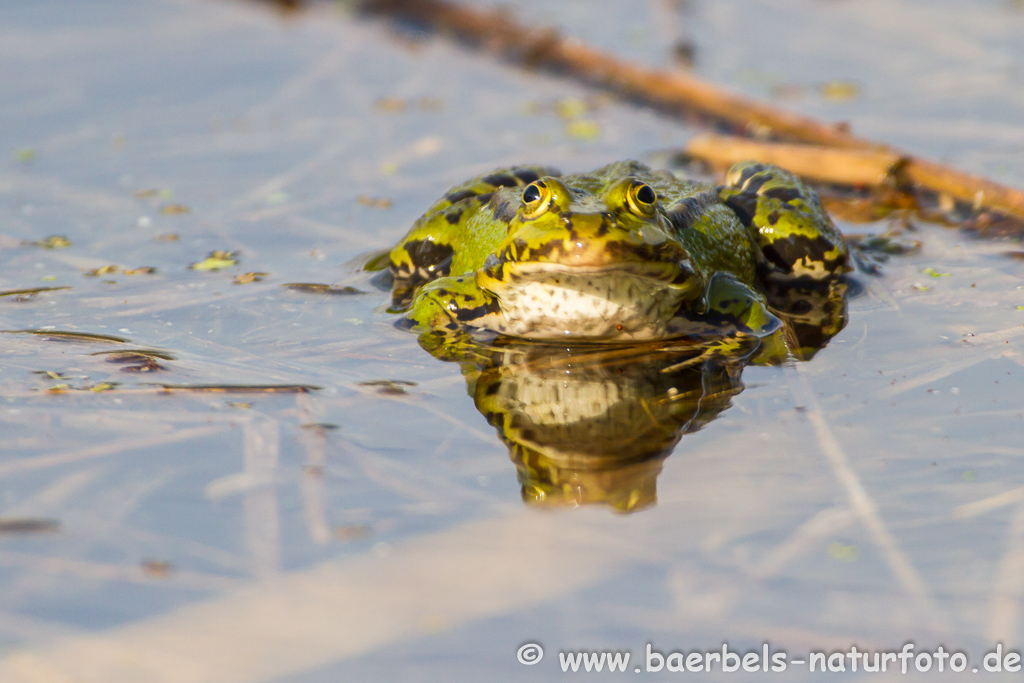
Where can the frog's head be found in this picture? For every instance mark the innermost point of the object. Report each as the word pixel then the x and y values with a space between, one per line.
pixel 599 265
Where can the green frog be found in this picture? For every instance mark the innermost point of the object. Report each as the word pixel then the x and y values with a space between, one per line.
pixel 621 254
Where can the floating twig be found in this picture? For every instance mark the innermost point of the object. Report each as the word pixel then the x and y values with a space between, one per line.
pixel 242 388
pixel 26 294
pixel 318 288
pixel 67 336
pixel 840 166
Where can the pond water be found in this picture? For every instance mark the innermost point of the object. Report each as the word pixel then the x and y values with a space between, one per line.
pixel 352 515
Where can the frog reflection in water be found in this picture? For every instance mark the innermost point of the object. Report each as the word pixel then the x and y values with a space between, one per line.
pixel 682 284
pixel 592 424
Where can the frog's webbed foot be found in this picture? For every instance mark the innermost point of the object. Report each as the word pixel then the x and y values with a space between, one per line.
pixel 797 239
pixel 732 307
pixel 736 321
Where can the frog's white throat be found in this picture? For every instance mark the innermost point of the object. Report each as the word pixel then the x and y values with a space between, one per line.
pixel 603 303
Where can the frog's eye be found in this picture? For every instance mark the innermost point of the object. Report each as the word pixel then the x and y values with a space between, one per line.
pixel 642 198
pixel 536 199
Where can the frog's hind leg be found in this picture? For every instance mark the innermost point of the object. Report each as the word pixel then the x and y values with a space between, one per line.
pixel 796 237
pixel 426 252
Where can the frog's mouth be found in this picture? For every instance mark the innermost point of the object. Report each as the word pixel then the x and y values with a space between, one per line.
pixel 622 301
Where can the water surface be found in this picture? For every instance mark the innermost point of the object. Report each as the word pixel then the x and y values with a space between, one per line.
pixel 366 530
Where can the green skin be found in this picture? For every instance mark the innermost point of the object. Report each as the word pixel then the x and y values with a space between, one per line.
pixel 620 254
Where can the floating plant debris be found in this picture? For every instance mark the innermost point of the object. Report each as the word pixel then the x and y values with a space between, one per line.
pixel 374 202
pixel 151 193
pixel 246 278
pixel 390 105
pixel 839 91
pixel 934 273
pixel 175 209
pixel 243 388
pixel 583 129
pixel 102 270
pixel 158 569
pixel 133 355
pixel 147 365
pixel 66 336
pixel 389 386
pixel 26 294
pixel 319 426
pixel 317 288
pixel 25 156
pixel 217 260
pixel 29 525
pixel 51 374
pixel 51 242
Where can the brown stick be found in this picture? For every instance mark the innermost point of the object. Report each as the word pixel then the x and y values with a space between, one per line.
pixel 682 92
pixel 859 167
pixel 978 191
pixel 824 164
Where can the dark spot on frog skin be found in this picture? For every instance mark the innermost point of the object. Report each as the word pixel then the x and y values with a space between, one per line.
pixel 492 389
pixel 783 194
pixel 744 206
pixel 501 180
pixel 459 196
pixel 607 221
pixel 430 256
pixel 689 210
pixel 782 253
pixel 505 211
pixel 453 217
pixel 526 175
pixel 748 173
pixel 755 180
pixel 774 217
pixel 466 314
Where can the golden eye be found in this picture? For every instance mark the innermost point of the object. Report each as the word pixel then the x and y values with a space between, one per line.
pixel 536 199
pixel 642 198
